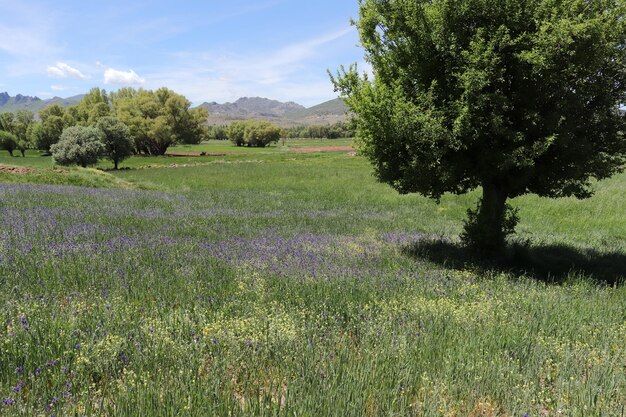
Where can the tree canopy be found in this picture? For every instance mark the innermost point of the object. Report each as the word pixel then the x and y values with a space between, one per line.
pixel 20 126
pixel 514 96
pixel 48 131
pixel 253 133
pixel 159 119
pixel 116 138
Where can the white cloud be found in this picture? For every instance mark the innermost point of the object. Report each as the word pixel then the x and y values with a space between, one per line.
pixel 284 74
pixel 113 76
pixel 58 87
pixel 62 70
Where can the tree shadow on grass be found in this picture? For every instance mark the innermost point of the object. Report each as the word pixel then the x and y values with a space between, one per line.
pixel 549 263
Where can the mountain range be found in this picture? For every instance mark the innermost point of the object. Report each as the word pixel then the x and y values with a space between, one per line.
pixel 281 113
pixel 34 104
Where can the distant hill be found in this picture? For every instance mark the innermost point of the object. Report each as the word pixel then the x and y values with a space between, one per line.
pixel 34 104
pixel 254 106
pixel 283 114
pixel 329 112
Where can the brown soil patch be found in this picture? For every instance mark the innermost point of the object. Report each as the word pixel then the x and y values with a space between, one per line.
pixel 200 153
pixel 323 149
pixel 15 170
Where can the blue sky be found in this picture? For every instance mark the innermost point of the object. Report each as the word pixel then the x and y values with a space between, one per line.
pixel 212 50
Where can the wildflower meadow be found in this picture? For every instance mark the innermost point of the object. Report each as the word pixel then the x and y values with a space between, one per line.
pixel 293 286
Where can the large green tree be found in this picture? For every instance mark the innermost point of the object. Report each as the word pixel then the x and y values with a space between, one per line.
pixel 159 119
pixel 48 130
pixel 24 122
pixel 118 144
pixel 513 96
pixel 93 106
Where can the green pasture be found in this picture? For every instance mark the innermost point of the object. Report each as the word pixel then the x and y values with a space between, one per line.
pixel 278 283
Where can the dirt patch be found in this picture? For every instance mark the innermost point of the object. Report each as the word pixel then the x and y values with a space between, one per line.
pixel 200 153
pixel 323 149
pixel 16 170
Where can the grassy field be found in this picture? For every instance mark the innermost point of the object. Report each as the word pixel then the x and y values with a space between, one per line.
pixel 288 284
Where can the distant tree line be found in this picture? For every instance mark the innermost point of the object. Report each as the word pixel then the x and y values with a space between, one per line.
pixel 331 131
pixel 126 122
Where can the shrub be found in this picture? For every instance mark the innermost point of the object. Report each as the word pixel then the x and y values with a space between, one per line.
pixel 79 145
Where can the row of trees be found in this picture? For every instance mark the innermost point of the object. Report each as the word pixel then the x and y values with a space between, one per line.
pixel 155 120
pixel 16 131
pixel 333 131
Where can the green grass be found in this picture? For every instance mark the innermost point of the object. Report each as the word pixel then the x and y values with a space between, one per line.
pixel 227 147
pixel 281 283
pixel 231 152
pixel 83 177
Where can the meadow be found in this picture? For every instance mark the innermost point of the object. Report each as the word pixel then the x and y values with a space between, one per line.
pixel 279 283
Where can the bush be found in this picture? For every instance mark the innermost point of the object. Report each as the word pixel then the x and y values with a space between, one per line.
pixel 79 145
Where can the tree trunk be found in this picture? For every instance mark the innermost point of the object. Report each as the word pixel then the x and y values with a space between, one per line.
pixel 491 217
pixel 487 226
pixel 115 163
pixel 23 151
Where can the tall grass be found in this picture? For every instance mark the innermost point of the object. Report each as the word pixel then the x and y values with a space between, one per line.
pixel 285 286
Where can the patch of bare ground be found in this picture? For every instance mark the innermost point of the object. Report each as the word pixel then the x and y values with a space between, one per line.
pixel 200 153
pixel 323 149
pixel 15 170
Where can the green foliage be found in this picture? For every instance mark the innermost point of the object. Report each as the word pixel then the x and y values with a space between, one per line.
pixel 217 132
pixel 8 141
pixel 516 97
pixel 158 119
pixel 188 125
pixel 79 145
pixel 253 133
pixel 236 132
pixel 24 122
pixel 116 138
pixel 20 125
pixel 48 131
pixel 334 131
pixel 91 108
pixel 477 230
